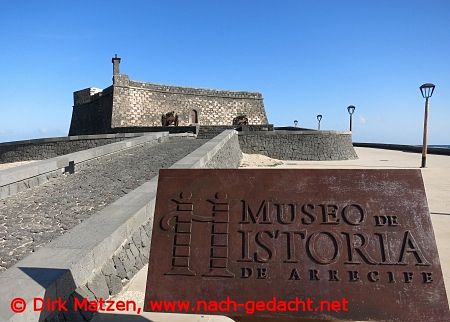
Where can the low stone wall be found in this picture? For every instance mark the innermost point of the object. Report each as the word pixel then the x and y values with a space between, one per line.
pixel 299 145
pixel 170 129
pixel 209 131
pixel 292 128
pixel 256 127
pixel 16 179
pixel 228 153
pixel 98 257
pixel 47 148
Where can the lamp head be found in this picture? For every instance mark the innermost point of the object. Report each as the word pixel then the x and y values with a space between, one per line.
pixel 351 109
pixel 427 90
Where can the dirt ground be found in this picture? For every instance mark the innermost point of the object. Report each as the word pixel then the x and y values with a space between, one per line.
pixel 258 160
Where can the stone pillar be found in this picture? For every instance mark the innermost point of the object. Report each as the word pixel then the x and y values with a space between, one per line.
pixel 116 62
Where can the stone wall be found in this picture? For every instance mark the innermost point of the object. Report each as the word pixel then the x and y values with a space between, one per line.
pixel 210 131
pixel 142 104
pixel 228 156
pixel 170 129
pixel 110 279
pixel 92 111
pixel 257 127
pixel 41 149
pixel 299 145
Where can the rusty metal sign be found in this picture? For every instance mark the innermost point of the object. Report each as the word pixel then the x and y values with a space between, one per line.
pixel 272 243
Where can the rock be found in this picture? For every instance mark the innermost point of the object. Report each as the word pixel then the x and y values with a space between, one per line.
pixel 139 263
pixel 134 250
pixel 131 258
pixel 131 272
pixel 148 230
pixel 136 238
pixel 143 258
pixel 144 238
pixel 99 287
pixel 120 268
pixel 114 284
pixel 108 268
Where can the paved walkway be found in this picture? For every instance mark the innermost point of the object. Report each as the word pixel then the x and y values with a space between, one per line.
pixel 34 217
pixel 437 185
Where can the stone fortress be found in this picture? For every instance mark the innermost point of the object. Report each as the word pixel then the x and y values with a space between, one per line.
pixel 129 106
pixel 129 103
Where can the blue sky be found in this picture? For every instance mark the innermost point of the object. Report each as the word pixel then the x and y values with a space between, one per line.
pixel 305 57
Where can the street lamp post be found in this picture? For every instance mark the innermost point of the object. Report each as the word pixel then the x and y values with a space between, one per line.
pixel 319 118
pixel 426 90
pixel 295 123
pixel 351 110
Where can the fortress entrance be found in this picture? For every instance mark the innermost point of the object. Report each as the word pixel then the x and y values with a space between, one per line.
pixel 193 117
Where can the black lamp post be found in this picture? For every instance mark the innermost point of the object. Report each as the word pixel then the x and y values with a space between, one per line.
pixel 426 90
pixel 295 123
pixel 319 118
pixel 351 110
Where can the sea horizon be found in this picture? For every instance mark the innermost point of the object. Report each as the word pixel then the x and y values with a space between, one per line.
pixel 441 146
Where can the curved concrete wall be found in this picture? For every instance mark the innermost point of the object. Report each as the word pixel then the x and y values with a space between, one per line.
pixel 299 145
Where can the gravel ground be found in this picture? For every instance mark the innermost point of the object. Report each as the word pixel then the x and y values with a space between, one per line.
pixel 34 217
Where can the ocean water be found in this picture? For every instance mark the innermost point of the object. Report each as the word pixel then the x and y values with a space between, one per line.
pixel 440 146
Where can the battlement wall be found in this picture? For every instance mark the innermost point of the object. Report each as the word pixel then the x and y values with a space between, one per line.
pixel 142 104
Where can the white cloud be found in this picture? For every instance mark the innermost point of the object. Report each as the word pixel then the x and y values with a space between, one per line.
pixel 362 119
